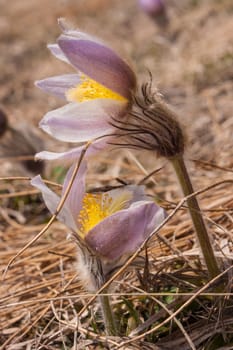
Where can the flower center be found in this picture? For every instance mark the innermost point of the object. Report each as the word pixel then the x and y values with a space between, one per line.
pixel 95 208
pixel 90 90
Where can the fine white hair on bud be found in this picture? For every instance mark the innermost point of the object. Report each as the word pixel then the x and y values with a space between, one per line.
pixel 89 271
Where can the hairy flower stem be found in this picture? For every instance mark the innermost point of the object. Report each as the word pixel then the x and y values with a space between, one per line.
pixel 194 209
pixel 109 320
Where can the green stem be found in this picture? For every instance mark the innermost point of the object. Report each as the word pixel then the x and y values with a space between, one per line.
pixel 109 321
pixel 198 222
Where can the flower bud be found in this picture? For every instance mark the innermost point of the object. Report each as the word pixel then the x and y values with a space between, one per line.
pixel 152 7
pixel 156 10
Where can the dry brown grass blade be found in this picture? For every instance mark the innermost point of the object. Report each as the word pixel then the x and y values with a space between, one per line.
pixel 19 194
pixel 26 329
pixel 212 165
pixel 26 178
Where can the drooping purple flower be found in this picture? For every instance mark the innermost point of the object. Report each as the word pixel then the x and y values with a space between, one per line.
pixel 101 88
pixel 111 225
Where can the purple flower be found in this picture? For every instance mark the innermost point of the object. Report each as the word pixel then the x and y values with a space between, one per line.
pixel 156 9
pixel 111 225
pixel 101 89
pixel 152 7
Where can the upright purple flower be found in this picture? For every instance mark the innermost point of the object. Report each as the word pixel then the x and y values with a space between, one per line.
pixel 109 226
pixel 101 89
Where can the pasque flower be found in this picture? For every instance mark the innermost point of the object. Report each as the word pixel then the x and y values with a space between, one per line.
pixel 156 9
pixel 152 7
pixel 101 88
pixel 108 226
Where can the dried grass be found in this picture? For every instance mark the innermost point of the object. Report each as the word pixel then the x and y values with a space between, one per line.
pixel 42 288
pixel 41 297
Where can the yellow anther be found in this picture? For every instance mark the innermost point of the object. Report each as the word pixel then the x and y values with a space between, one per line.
pixel 97 207
pixel 90 90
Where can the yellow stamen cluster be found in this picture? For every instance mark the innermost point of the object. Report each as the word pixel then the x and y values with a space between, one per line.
pixel 95 208
pixel 89 89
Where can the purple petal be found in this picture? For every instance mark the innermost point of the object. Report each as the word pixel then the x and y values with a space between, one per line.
pixel 59 85
pixel 122 233
pixel 80 122
pixel 74 154
pixel 99 63
pixel 136 193
pixel 73 33
pixel 57 52
pixel 52 200
pixel 77 191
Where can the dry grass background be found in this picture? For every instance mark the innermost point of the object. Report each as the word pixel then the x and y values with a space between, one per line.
pixel 191 63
